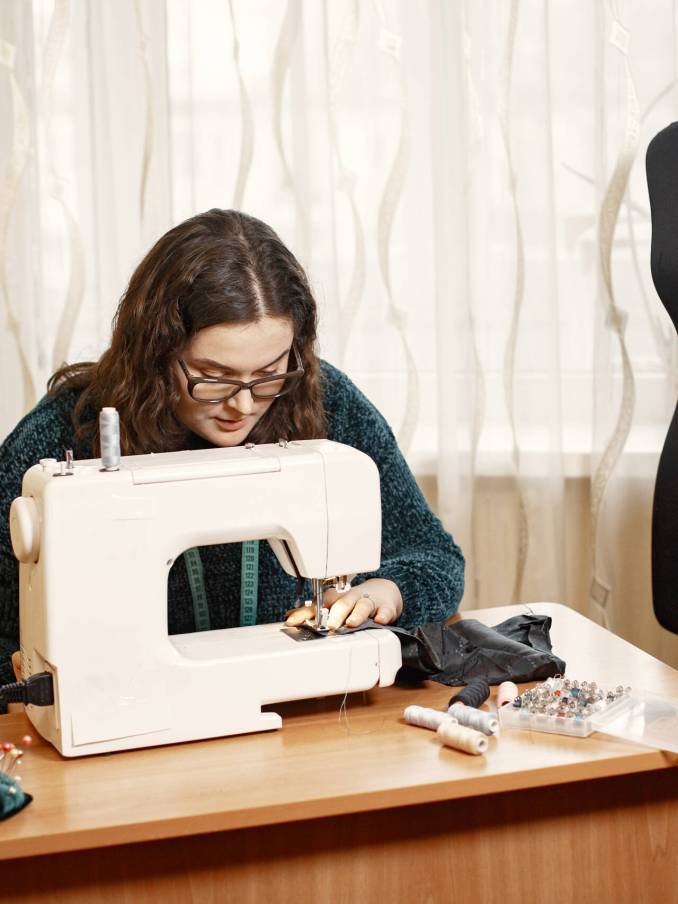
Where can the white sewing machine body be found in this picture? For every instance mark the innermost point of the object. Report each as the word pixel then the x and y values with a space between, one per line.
pixel 96 548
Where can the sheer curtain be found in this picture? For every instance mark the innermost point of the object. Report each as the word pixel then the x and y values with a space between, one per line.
pixel 562 378
pixel 463 182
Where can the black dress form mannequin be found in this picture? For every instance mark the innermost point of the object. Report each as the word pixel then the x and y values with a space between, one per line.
pixel 662 181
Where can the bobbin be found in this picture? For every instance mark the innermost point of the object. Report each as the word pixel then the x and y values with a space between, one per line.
pixel 562 698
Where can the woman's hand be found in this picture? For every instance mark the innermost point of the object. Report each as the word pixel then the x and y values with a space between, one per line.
pixel 376 598
pixel 16 664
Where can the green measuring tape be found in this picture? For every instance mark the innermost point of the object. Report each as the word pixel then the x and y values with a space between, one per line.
pixel 249 582
pixel 249 585
pixel 196 580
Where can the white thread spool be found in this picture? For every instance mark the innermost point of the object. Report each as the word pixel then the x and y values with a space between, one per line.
pixel 474 718
pixel 109 437
pixel 462 738
pixel 425 717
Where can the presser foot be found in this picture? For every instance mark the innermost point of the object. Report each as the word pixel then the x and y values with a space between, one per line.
pixel 318 629
pixel 309 630
pixel 324 618
pixel 314 626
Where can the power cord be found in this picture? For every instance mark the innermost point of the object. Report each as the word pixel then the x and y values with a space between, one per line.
pixel 38 690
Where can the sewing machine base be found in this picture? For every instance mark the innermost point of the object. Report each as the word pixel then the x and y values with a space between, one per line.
pixel 212 684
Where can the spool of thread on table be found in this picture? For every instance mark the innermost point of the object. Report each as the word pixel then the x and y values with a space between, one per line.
pixel 474 718
pixel 475 693
pixel 425 717
pixel 506 693
pixel 462 738
pixel 109 438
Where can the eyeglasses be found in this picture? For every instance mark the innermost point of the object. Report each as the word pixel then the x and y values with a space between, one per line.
pixel 208 389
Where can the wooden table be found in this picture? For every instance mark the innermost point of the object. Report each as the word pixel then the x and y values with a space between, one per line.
pixel 357 806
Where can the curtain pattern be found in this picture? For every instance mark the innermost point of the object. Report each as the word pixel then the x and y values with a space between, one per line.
pixel 464 182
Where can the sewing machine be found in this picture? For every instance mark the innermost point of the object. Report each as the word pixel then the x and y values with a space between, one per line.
pixel 96 547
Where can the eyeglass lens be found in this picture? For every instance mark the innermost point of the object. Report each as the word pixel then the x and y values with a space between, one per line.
pixel 211 392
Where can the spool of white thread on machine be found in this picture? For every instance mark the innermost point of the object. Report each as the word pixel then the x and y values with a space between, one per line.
pixel 109 438
pixel 462 738
pixel 476 719
pixel 425 717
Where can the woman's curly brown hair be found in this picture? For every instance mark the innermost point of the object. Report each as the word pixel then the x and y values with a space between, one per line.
pixel 221 266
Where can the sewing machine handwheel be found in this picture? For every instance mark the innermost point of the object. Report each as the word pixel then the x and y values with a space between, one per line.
pixel 24 527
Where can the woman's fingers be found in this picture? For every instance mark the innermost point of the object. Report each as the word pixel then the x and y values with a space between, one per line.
pixel 297 617
pixel 362 610
pixel 330 596
pixel 352 608
pixel 386 614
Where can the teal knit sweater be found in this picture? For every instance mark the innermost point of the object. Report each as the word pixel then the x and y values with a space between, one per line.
pixel 417 553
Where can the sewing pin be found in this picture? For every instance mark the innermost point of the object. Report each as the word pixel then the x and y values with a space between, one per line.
pixel 15 756
pixel 6 747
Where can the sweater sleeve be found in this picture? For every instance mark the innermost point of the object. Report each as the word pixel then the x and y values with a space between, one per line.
pixel 417 553
pixel 44 433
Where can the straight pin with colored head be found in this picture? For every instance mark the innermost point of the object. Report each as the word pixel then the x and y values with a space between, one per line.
pixel 6 747
pixel 14 755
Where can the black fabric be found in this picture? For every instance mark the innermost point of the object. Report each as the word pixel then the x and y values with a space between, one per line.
pixel 662 183
pixel 518 649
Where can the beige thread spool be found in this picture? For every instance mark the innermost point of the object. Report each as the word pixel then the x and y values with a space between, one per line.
pixel 462 738
pixel 506 693
pixel 425 717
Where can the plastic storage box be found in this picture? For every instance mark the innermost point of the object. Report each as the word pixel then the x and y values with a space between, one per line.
pixel 637 716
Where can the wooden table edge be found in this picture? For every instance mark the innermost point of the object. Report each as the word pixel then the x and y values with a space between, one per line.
pixel 256 817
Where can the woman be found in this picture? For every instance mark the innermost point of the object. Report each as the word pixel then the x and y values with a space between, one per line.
pixel 220 298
